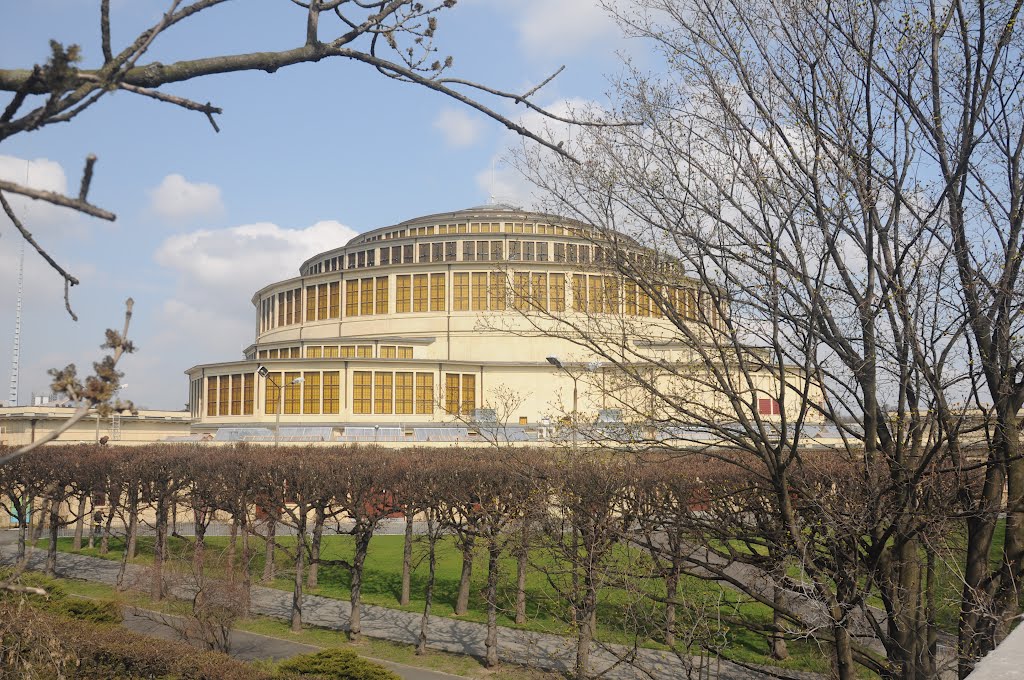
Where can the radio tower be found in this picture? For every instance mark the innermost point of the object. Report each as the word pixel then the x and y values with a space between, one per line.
pixel 16 353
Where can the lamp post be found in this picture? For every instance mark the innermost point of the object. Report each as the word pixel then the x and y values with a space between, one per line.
pixel 557 363
pixel 265 374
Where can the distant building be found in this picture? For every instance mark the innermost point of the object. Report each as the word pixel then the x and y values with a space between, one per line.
pixel 21 425
pixel 436 320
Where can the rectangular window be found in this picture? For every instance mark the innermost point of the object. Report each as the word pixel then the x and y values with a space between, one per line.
pixel 496 251
pixel 403 393
pixel 292 393
pixel 382 295
pixel 236 394
pixel 382 392
pixel 331 391
pixel 348 351
pixel 248 393
pixel 289 309
pixel 362 392
pixel 521 291
pixel 311 398
pixel 468 251
pixel 556 286
pixel 314 352
pixel 370 254
pixel 385 255
pixel 331 352
pixel 539 291
pixel 460 292
pixel 403 293
pixel 366 297
pixel 450 252
pixel 528 251
pixel 407 254
pixel 225 395
pixel 611 295
pixel 212 385
pixel 559 252
pixel 579 293
pixel 631 298
pixel 424 252
pixel 596 295
pixel 272 395
pixel 388 352
pixel 542 252
pixel 321 302
pixel 584 254
pixel 294 353
pixel 351 260
pixel 352 297
pixel 420 293
pixel 645 303
pixel 515 249
pixel 768 407
pixel 479 291
pixel 361 259
pixel 335 300
pixel 656 301
pixel 424 393
pixel 405 352
pixel 499 291
pixel 436 252
pixel 483 251
pixel 364 351
pixel 451 393
pixel 310 303
pixel 468 393
pixel 437 293
pixel 280 309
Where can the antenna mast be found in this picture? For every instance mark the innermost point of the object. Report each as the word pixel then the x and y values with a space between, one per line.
pixel 16 354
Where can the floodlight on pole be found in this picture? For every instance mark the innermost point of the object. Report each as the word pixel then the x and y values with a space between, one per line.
pixel 557 363
pixel 264 372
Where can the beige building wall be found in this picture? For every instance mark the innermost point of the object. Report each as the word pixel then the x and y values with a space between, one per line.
pixel 21 425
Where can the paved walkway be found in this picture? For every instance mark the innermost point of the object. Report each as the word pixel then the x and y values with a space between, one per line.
pixel 525 648
pixel 252 646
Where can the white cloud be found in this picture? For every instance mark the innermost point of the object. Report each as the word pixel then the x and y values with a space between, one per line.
pixel 178 200
pixel 459 128
pixel 40 173
pixel 562 27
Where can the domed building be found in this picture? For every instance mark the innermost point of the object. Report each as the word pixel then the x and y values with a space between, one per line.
pixel 451 318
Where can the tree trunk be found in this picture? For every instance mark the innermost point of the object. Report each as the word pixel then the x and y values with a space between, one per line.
pixel 199 547
pixel 407 559
pixel 300 568
pixel 79 524
pixel 314 549
pixel 269 568
pixel 232 547
pixel 23 519
pixel 105 541
pixel 462 601
pixel 355 593
pixel 51 553
pixel 671 591
pixel 777 641
pixel 491 643
pixel 37 528
pixel 585 634
pixel 246 559
pixel 156 586
pixel 428 597
pixel 133 523
pixel 522 562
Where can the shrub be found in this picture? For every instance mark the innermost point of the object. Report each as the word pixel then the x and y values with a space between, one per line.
pixel 337 664
pixel 93 611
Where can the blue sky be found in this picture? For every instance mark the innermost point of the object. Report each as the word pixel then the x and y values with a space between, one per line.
pixel 306 158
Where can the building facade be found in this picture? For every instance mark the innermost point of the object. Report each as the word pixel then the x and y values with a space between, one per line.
pixel 437 318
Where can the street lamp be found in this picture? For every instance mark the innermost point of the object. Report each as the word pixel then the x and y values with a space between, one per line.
pixel 265 373
pixel 557 363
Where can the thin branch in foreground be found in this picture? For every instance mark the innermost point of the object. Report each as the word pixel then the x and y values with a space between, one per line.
pixel 69 280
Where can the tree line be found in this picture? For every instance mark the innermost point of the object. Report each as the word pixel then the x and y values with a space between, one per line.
pixel 628 531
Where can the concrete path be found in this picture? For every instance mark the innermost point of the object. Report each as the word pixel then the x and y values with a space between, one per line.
pixel 253 646
pixel 539 650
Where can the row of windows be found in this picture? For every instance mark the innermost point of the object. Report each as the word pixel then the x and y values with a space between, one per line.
pixel 385 393
pixel 318 392
pixel 484 291
pixel 477 251
pixel 480 228
pixel 230 395
pixel 337 352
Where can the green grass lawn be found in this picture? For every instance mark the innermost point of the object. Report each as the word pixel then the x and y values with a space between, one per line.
pixel 623 613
